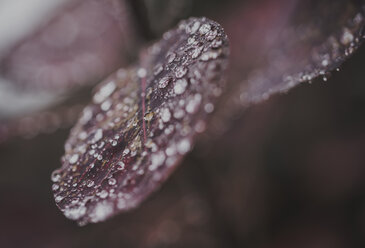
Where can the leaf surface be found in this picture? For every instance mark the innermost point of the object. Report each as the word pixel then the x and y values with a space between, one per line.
pixel 141 122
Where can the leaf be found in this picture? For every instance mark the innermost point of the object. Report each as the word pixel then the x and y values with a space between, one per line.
pixel 142 121
pixel 278 45
pixel 80 44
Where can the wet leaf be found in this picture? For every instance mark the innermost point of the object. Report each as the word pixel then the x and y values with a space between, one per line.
pixel 141 123
pixel 278 45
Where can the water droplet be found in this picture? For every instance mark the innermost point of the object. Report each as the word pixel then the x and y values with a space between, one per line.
pixel 158 69
pixel 196 52
pixel 58 198
pixel 97 136
pixel 164 82
pixel 141 73
pixel 211 35
pixel 205 28
pixel 56 176
pixel 183 146
pixel 104 92
pixel 75 213
pixel 200 126
pixel 170 57
pixel 87 114
pixel 157 160
pixel 90 183
pixel 82 135
pixel 209 55
pixel 180 86
pixel 179 113
pixel 217 43
pixel 73 159
pixel 170 151
pixel 120 165
pixel 209 108
pixel 103 194
pixel 347 37
pixel 101 211
pixel 55 187
pixel 324 62
pixel 105 106
pixel 181 71
pixel 148 116
pixel 165 115
pixel 195 27
pixel 193 104
pixel 112 181
pixel 191 41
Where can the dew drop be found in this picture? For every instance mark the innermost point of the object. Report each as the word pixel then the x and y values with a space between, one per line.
pixel 104 92
pixel 158 69
pixel 164 82
pixel 200 126
pixel 193 104
pixel 209 107
pixel 105 106
pixel 195 27
pixel 82 135
pixel 103 194
pixel 55 187
pixel 217 43
pixel 170 57
pixel 180 86
pixel 87 114
pixel 183 146
pixel 73 159
pixel 211 35
pixel 196 52
pixel 181 71
pixel 179 113
pixel 75 213
pixel 148 116
pixel 90 183
pixel 165 115
pixel 205 28
pixel 347 37
pixel 325 62
pixel 141 73
pixel 97 136
pixel 56 176
pixel 112 181
pixel 157 160
pixel 58 198
pixel 209 56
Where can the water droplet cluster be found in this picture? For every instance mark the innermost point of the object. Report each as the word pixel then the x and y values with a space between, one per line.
pixel 141 122
pixel 324 54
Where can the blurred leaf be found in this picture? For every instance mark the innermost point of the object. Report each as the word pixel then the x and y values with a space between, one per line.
pixel 277 45
pixel 75 46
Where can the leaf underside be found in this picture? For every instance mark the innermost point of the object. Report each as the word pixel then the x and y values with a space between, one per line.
pixel 141 123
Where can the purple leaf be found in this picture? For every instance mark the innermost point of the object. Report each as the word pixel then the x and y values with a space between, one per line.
pixel 278 45
pixel 141 122
pixel 49 69
pixel 81 43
